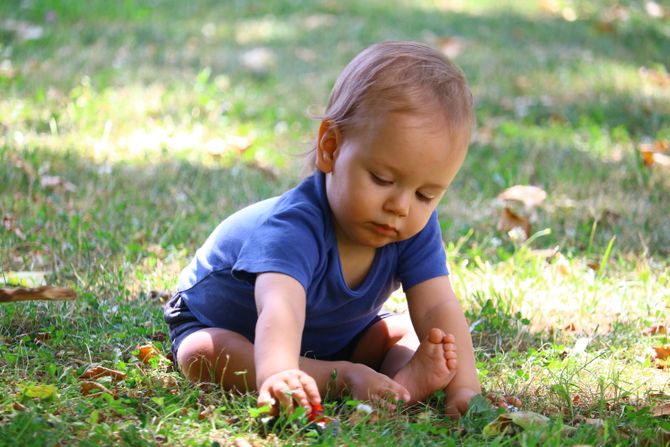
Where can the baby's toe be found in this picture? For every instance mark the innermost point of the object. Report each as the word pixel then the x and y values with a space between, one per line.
pixel 435 335
pixel 452 364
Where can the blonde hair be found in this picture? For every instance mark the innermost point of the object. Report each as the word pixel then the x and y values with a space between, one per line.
pixel 400 77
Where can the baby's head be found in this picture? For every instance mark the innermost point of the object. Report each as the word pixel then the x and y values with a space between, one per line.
pixel 406 77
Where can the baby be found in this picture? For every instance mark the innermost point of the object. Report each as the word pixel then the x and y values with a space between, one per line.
pixel 285 296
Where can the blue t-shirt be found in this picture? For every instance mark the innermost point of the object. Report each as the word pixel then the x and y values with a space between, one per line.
pixel 293 234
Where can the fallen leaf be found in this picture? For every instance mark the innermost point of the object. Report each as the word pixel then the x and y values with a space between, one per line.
pixel 657 329
pixel 519 204
pixel 511 421
pixel 19 407
pixel 570 327
pixel 593 265
pixel 662 352
pixel 89 388
pixel 509 221
pixel 96 372
pixel 49 293
pixel 207 413
pixel 42 337
pixel 40 391
pixel 657 159
pixel 530 196
pixel 661 410
pixel 147 352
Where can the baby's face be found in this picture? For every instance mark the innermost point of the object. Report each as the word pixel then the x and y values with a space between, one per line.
pixel 386 180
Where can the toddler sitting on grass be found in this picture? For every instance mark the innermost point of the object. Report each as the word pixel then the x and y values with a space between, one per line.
pixel 285 296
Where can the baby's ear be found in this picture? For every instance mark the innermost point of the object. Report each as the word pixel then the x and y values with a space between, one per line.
pixel 327 145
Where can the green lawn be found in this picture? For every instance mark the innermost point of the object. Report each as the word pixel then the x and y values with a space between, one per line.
pixel 129 129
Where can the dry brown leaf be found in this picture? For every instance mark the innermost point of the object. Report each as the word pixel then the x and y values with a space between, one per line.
pixel 570 327
pixel 657 329
pixel 661 410
pixel 42 337
pixel 96 372
pixel 147 352
pixel 49 293
pixel 530 196
pixel 19 407
pixel 593 265
pixel 93 388
pixel 509 220
pixel 662 352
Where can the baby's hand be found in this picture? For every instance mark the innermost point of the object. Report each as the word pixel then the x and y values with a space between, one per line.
pixel 287 388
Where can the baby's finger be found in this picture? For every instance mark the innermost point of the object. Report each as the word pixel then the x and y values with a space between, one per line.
pixel 297 392
pixel 283 394
pixel 311 390
pixel 265 399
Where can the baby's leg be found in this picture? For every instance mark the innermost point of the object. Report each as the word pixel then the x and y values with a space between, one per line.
pixel 226 357
pixel 391 346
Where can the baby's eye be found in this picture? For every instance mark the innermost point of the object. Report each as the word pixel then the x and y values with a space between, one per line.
pixel 423 197
pixel 379 180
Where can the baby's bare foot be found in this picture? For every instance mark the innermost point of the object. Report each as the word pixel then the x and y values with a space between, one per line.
pixel 364 383
pixel 432 367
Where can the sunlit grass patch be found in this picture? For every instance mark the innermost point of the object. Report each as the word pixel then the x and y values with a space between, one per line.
pixel 128 131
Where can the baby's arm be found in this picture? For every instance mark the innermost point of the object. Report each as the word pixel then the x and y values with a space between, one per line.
pixel 433 304
pixel 280 301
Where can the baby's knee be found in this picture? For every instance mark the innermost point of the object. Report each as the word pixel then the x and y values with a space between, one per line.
pixel 195 357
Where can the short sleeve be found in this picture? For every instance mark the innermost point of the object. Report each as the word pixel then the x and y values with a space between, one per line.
pixel 422 257
pixel 287 242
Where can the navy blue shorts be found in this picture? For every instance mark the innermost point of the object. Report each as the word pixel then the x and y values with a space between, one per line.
pixel 182 323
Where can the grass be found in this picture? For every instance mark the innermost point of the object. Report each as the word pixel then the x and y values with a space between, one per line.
pixel 157 130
